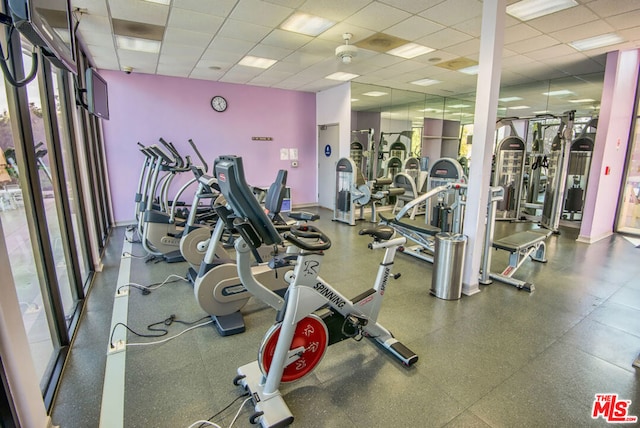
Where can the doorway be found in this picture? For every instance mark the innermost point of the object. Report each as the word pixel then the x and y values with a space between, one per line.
pixel 328 149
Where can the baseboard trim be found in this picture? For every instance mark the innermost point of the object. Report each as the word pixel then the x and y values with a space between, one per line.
pixel 591 240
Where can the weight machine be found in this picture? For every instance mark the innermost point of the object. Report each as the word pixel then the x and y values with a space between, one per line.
pixel 353 192
pixel 509 172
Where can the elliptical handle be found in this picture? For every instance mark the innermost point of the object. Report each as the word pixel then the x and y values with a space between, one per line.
pixel 205 166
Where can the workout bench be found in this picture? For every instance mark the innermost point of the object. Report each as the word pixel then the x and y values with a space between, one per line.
pixel 521 246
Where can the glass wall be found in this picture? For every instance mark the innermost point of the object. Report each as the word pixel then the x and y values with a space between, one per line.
pixel 629 206
pixel 51 162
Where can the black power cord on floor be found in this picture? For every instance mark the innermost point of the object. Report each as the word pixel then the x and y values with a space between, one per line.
pixel 226 407
pixel 146 289
pixel 153 327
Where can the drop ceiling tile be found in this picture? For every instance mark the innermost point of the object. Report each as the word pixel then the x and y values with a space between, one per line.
pixel 212 57
pixel 552 52
pixel 451 12
pixel 412 6
pixel 444 38
pixel 335 33
pixel 287 3
pixel 185 37
pixel 519 32
pixel 172 69
pixel 335 10
pixel 381 60
pixel 106 63
pixel 178 50
pixel 95 24
pixel 104 54
pixel 563 19
pixel 243 30
pixel 508 62
pixel 473 26
pixel 605 8
pixel 267 14
pixel 625 20
pixel 97 39
pixel 319 47
pixel 377 17
pixel 535 43
pixel 270 52
pixel 299 61
pixel 225 44
pixel 413 28
pixel 582 31
pixel 576 64
pixel 205 74
pixel 435 57
pixel 286 39
pixel 139 11
pixel 216 7
pixel 468 49
pixel 195 21
pixel 631 34
pixel 94 7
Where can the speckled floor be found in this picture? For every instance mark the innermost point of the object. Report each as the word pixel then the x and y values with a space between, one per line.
pixel 501 358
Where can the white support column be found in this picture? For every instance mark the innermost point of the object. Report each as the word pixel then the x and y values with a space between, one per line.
pixel 488 88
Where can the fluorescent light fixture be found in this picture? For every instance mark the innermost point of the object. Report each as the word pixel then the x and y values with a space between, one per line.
pixel 306 24
pixel 353 100
pixel 375 94
pixel 509 99
pixel 518 107
pixel 529 9
pixel 159 1
pixel 558 93
pixel 583 100
pixel 470 70
pixel 541 112
pixel 425 82
pixel 254 61
pixel 596 42
pixel 410 50
pixel 137 44
pixel 459 106
pixel 342 76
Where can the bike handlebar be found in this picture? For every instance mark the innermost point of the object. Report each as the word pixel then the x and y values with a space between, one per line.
pixel 308 232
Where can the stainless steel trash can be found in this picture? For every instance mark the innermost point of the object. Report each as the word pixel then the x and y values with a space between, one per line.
pixel 448 261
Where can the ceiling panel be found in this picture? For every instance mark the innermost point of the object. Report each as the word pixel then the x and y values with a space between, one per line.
pixel 205 39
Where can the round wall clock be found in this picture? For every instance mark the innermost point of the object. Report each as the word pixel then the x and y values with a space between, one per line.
pixel 219 103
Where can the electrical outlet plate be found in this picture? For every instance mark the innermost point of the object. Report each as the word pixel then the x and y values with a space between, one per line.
pixel 119 346
pixel 122 291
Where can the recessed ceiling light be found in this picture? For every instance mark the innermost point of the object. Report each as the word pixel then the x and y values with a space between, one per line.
pixel 425 82
pixel 583 100
pixel 254 61
pixel 159 1
pixel 518 107
pixel 342 76
pixel 509 99
pixel 459 106
pixel 529 9
pixel 469 70
pixel 306 24
pixel 410 50
pixel 375 94
pixel 558 93
pixel 596 42
pixel 138 44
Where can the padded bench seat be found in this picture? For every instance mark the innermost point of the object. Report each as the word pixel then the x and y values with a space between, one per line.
pixel 521 240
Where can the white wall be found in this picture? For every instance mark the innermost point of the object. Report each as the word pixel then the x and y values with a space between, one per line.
pixel 333 106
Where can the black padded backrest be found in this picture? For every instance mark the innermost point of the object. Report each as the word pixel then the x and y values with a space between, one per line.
pixel 276 193
pixel 252 222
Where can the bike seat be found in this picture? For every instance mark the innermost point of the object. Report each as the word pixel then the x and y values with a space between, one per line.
pixel 379 233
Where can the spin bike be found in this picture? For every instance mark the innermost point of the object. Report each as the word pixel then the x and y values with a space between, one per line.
pixel 314 315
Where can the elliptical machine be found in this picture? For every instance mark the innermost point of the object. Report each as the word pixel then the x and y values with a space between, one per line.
pixel 314 315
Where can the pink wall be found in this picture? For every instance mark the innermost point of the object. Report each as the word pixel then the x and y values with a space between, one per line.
pixel 612 139
pixel 145 107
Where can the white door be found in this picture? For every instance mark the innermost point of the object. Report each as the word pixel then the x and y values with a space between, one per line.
pixel 328 140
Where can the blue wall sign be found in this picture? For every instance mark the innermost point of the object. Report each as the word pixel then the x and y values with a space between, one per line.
pixel 327 150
